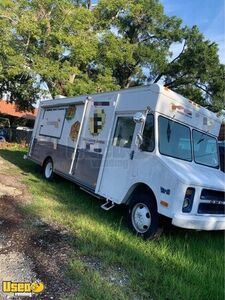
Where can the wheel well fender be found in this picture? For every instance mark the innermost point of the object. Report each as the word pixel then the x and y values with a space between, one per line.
pixel 46 158
pixel 139 188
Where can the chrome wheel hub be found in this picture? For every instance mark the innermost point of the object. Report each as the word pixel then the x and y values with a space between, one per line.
pixel 141 217
pixel 48 169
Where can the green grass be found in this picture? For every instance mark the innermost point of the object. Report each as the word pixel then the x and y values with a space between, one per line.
pixel 182 264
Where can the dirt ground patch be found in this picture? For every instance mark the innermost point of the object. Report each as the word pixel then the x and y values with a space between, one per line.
pixel 30 249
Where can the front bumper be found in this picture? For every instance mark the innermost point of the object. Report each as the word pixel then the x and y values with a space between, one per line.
pixel 199 222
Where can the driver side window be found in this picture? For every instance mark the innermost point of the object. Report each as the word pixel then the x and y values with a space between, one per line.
pixel 124 132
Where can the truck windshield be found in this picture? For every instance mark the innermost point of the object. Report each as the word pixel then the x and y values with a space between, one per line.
pixel 205 149
pixel 174 139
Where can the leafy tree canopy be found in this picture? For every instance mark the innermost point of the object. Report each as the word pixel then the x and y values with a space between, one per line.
pixel 74 49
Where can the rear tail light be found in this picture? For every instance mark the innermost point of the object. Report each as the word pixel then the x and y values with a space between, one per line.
pixel 188 200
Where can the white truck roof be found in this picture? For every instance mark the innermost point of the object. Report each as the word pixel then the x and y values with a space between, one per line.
pixel 159 98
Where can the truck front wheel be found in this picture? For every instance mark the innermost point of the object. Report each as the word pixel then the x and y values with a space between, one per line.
pixel 143 218
pixel 48 169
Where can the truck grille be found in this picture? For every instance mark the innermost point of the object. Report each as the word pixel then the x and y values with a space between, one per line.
pixel 212 202
pixel 212 195
pixel 208 208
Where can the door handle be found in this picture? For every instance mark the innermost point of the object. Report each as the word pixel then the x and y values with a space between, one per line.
pixel 132 154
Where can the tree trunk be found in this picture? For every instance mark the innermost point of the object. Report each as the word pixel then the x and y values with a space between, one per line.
pixel 89 4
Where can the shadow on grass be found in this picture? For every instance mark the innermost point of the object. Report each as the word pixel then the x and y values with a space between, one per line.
pixel 59 184
pixel 160 276
pixel 16 157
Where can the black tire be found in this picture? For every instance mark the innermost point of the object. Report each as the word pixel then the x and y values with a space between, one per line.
pixel 48 169
pixel 142 216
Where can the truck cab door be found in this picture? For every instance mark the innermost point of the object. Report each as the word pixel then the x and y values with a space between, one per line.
pixel 119 157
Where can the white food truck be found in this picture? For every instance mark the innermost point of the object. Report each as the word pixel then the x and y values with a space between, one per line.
pixel 146 147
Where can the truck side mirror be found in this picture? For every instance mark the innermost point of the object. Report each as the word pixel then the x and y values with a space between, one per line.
pixel 139 117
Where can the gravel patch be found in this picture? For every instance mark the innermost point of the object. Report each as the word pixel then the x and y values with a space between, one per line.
pixel 30 248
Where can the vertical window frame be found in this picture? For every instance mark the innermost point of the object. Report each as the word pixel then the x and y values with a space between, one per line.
pixel 150 114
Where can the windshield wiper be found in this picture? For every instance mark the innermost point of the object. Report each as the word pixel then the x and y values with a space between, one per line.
pixel 201 140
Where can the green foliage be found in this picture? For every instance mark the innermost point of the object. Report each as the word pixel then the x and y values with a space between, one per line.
pixel 196 72
pixel 137 34
pixel 74 49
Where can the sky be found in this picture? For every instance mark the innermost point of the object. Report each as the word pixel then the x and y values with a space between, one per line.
pixel 208 15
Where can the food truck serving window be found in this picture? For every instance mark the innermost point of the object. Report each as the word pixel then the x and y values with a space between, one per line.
pixel 52 122
pixel 174 139
pixel 124 132
pixel 205 149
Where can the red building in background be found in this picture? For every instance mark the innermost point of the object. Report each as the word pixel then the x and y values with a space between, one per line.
pixel 16 117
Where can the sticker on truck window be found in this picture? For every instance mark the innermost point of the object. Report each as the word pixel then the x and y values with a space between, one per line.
pixel 97 122
pixel 70 112
pixel 74 130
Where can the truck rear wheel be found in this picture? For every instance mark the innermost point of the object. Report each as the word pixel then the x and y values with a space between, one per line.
pixel 48 169
pixel 142 216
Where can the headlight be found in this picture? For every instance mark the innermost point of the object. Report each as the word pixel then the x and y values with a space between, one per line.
pixel 186 203
pixel 188 200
